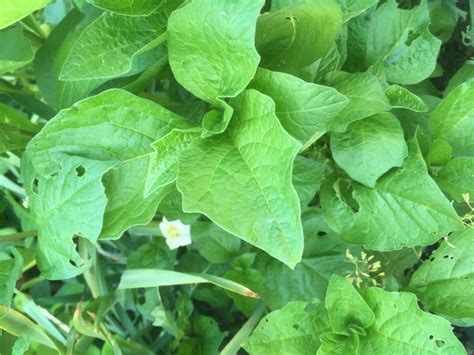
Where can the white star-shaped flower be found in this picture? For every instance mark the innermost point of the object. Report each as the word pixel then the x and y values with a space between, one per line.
pixel 176 233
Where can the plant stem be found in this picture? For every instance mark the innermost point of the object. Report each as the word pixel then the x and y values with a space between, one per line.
pixel 18 236
pixel 235 343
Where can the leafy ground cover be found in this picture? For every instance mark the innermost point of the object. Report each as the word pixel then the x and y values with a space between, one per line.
pixel 231 177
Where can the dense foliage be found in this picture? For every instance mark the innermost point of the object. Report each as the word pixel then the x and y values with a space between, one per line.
pixel 220 176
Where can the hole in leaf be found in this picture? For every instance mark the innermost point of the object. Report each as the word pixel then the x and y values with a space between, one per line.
pixel 80 171
pixel 322 234
pixel 446 256
pixel 296 326
pixel 431 337
pixel 432 258
pixel 291 18
pixel 35 186
pixel 439 343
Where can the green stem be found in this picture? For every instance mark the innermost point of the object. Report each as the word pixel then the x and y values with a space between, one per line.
pixel 37 27
pixel 18 236
pixel 236 342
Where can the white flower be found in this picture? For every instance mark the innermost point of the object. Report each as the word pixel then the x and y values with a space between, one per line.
pixel 176 233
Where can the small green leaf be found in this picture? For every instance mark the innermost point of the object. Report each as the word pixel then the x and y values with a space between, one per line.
pixel 440 152
pixel 453 120
pixel 16 130
pixel 370 147
pixel 304 109
pixel 400 97
pixel 444 283
pixel 346 308
pixel 457 178
pixel 10 272
pixel 213 243
pixel 366 98
pixel 241 179
pixel 307 175
pixel 95 56
pixel 15 49
pixel 294 37
pixel 294 329
pixel 212 53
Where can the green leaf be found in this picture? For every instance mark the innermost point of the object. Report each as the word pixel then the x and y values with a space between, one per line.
pixel 95 56
pixel 128 7
pixel 400 327
pixel 464 74
pixel 396 40
pixel 163 167
pixel 72 145
pixel 457 178
pixel 324 256
pixel 71 202
pixel 347 309
pixel 400 97
pixel 370 147
pixel 216 58
pixel 440 152
pixel 294 37
pixel 213 243
pixel 138 278
pixel 17 324
pixel 294 329
pixel 16 130
pixel 206 338
pixel 413 61
pixel 15 49
pixel 444 283
pixel 366 98
pixel 304 109
pixel 10 272
pixel 307 175
pixel 241 179
pixel 50 59
pixel 453 120
pixel 15 10
pixel 152 255
pixel 372 216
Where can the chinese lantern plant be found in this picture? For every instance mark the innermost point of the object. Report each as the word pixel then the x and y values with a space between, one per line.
pixel 210 176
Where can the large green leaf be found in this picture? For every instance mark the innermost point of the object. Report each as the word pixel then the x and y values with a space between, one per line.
pixel 372 216
pixel 294 37
pixel 112 45
pixel 400 327
pixel 370 147
pixel 453 120
pixel 457 178
pixel 128 7
pixel 15 10
pixel 366 98
pixel 397 40
pixel 71 149
pixel 304 109
pixel 445 282
pixel 241 179
pixel 215 58
pixel 294 329
pixel 324 256
pixel 15 49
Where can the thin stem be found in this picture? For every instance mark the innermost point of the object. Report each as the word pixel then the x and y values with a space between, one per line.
pixel 18 236
pixel 37 27
pixel 235 343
